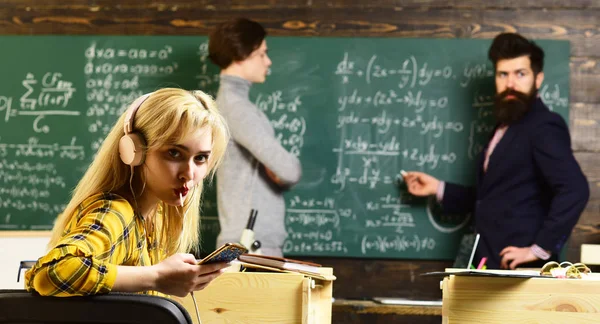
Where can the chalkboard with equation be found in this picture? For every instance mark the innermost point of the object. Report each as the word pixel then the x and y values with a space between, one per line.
pixel 355 110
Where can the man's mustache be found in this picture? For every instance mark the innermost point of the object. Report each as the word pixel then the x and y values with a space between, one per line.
pixel 516 94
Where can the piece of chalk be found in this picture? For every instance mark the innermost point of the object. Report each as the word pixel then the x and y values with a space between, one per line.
pixel 181 199
pixel 403 173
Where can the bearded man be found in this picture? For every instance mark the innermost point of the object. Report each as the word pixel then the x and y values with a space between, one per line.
pixel 530 190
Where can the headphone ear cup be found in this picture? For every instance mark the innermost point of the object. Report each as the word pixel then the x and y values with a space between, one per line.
pixel 131 149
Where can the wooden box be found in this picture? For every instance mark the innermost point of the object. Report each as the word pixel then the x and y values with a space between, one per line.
pixel 468 299
pixel 263 297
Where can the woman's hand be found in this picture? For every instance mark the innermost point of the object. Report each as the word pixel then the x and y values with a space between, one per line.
pixel 179 274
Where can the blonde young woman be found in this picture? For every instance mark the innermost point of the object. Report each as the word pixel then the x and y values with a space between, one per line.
pixel 135 212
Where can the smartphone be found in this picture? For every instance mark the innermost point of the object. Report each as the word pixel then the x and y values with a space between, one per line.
pixel 226 253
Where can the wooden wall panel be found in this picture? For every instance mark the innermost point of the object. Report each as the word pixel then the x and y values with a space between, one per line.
pixel 315 5
pixel 585 128
pixel 585 79
pixel 587 229
pixel 574 20
pixel 578 26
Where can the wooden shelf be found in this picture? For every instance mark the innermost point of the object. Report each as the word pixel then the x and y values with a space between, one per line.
pixel 371 307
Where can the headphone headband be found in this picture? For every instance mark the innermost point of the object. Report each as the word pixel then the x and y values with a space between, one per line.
pixel 129 117
pixel 132 145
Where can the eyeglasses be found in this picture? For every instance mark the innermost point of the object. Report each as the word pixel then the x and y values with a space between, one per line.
pixel 564 270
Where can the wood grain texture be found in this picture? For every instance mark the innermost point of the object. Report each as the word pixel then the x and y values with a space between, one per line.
pixel 578 26
pixel 342 4
pixel 585 80
pixel 358 311
pixel 25 234
pixel 371 307
pixel 585 127
pixel 254 298
pixel 536 300
pixel 348 317
pixel 587 229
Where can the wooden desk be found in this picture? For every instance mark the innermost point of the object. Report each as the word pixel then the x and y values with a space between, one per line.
pixel 263 297
pixel 468 299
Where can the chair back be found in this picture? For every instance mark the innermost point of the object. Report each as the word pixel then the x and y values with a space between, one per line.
pixel 20 306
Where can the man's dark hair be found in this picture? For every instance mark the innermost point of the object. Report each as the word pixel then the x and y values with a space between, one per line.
pixel 512 45
pixel 234 40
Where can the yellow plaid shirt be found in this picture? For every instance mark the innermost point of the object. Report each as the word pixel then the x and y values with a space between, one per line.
pixel 103 234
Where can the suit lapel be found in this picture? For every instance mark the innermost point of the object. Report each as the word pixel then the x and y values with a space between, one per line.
pixel 501 151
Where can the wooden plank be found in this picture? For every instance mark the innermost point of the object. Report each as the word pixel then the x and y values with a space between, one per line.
pixel 581 27
pixel 371 307
pixel 249 298
pixel 591 168
pixel 341 4
pixel 584 80
pixel 306 301
pixel 364 311
pixel 347 317
pixel 578 26
pixel 26 234
pixel 585 127
pixel 587 229
pixel 469 300
pixel 321 296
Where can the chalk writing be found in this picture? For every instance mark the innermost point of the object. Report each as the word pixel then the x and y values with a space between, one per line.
pixel 355 111
pixel 285 117
pixel 390 97
pixel 410 72
pixel 395 243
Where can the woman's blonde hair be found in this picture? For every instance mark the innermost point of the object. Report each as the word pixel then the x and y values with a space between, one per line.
pixel 166 117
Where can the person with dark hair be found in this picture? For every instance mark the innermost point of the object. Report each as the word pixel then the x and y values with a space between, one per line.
pixel 529 190
pixel 256 169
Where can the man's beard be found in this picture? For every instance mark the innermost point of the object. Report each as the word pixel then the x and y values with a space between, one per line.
pixel 512 110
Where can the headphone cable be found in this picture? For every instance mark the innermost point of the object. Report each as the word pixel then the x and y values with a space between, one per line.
pixel 196 307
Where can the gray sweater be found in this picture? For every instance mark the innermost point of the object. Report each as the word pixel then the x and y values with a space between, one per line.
pixel 242 183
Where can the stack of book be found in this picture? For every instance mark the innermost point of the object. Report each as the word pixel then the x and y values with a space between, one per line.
pixel 270 263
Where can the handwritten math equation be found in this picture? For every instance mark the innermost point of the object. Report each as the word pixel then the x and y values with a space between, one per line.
pixel 46 96
pixel 388 115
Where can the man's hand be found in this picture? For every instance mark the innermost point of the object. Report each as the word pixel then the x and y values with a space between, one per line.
pixel 513 256
pixel 421 184
pixel 273 177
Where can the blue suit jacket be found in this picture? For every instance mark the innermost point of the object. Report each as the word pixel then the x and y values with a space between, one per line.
pixel 533 190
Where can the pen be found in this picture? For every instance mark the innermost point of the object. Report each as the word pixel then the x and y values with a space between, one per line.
pixel 481 265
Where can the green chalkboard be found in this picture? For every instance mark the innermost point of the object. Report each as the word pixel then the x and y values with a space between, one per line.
pixel 355 110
